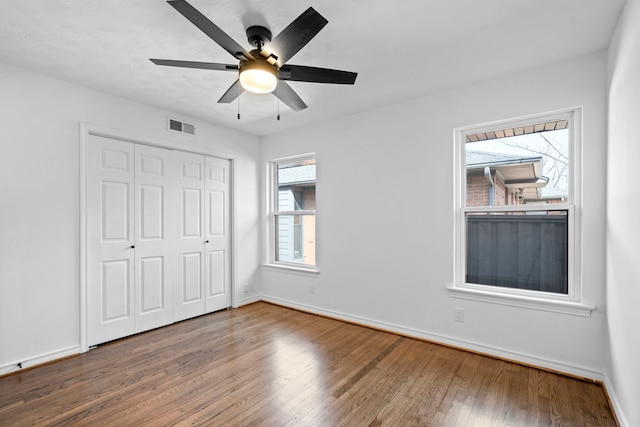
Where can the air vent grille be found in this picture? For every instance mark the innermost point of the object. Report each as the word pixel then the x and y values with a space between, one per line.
pixel 182 127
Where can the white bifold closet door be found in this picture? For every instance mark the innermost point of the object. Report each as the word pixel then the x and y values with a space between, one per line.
pixel 217 237
pixel 189 297
pixel 110 241
pixel 154 237
pixel 204 261
pixel 158 228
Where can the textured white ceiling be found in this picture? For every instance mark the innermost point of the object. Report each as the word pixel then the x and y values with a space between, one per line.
pixel 401 49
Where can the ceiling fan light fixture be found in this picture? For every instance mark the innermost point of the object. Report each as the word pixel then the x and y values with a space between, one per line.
pixel 258 76
pixel 259 70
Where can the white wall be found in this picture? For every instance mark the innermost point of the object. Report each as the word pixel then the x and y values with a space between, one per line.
pixel 39 204
pixel 623 227
pixel 385 218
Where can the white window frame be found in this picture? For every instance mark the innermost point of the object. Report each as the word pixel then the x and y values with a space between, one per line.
pixel 570 303
pixel 272 203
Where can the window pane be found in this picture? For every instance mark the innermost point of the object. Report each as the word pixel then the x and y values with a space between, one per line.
pixel 296 239
pixel 523 250
pixel 518 165
pixel 297 186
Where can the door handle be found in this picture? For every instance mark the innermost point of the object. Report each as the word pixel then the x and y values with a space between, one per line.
pixel 132 247
pixel 206 241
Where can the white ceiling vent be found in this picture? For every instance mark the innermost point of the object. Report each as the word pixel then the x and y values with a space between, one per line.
pixel 180 126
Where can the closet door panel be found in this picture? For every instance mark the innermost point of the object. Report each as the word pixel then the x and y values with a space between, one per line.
pixel 152 212
pixel 218 233
pixel 191 213
pixel 115 208
pixel 192 277
pixel 154 227
pixel 110 256
pixel 152 284
pixel 189 298
pixel 114 290
pixel 218 271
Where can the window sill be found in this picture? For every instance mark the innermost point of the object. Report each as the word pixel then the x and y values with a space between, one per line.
pixel 564 307
pixel 290 269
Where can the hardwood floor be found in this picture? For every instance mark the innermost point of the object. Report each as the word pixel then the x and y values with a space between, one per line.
pixel 271 366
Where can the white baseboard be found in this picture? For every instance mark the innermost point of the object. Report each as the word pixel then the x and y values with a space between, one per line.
pixel 247 300
pixel 615 402
pixel 522 358
pixel 39 360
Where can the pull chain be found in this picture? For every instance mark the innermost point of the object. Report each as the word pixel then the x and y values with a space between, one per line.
pixel 239 93
pixel 278 89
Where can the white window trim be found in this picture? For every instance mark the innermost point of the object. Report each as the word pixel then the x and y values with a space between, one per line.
pixel 272 192
pixel 571 303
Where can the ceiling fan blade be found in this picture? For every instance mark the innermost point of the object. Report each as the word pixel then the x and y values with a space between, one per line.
pixel 296 35
pixel 209 28
pixel 234 91
pixel 301 73
pixel 287 95
pixel 194 64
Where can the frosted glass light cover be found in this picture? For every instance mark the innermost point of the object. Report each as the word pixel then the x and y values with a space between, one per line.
pixel 258 80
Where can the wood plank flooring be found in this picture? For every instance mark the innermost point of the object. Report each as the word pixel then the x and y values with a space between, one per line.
pixel 265 365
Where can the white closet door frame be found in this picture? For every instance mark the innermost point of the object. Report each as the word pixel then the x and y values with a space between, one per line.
pixel 85 131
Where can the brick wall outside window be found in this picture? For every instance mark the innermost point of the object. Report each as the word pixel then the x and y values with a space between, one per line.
pixel 478 191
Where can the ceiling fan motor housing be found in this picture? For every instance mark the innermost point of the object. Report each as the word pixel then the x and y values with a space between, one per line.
pixel 258 36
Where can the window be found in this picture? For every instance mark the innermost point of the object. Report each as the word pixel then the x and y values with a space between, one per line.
pixel 517 191
pixel 293 208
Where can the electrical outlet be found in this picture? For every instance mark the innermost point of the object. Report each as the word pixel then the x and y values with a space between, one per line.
pixel 458 315
pixel 312 287
pixel 245 288
pixel 252 287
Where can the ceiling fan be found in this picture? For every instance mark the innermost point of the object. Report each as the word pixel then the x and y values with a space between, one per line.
pixel 264 69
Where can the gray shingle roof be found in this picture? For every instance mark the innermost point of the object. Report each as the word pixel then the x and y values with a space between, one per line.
pixel 476 159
